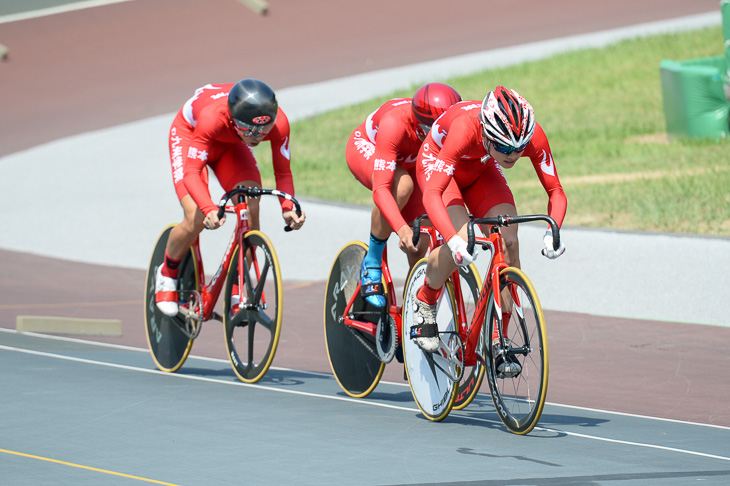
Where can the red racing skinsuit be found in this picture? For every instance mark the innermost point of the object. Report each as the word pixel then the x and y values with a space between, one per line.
pixel 202 135
pixel 387 138
pixel 455 169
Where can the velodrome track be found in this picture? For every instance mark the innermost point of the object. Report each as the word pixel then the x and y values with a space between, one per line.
pixel 106 409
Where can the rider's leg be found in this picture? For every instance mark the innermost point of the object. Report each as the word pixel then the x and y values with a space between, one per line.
pixel 380 231
pixel 183 235
pixel 181 238
pixel 490 196
pixel 440 265
pixel 440 262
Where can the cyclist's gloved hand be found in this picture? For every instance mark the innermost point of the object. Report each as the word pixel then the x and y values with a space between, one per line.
pixel 457 245
pixel 548 251
pixel 211 220
pixel 292 220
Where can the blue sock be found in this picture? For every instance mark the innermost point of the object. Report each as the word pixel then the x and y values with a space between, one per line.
pixel 371 263
pixel 374 257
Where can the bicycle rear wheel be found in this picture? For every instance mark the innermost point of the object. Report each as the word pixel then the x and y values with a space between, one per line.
pixel 351 353
pixel 433 390
pixel 471 285
pixel 252 333
pixel 520 400
pixel 168 343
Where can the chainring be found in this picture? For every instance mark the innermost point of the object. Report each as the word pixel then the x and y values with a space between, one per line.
pixel 386 338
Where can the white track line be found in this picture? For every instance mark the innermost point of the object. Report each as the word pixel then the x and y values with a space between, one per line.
pixel 318 373
pixel 342 399
pixel 43 12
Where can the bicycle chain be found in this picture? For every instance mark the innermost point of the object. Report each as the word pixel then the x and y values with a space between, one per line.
pixel 357 335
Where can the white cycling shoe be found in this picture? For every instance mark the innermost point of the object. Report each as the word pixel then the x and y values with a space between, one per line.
pixel 424 330
pixel 166 294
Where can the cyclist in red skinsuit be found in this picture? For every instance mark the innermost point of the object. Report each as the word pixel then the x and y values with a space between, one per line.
pixel 460 166
pixel 381 153
pixel 216 128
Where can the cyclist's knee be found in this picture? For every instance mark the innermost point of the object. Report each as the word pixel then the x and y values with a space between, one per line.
pixel 512 250
pixel 402 187
pixel 403 193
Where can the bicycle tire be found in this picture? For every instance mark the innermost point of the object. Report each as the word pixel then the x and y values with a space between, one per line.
pixel 356 368
pixel 433 391
pixel 520 400
pixel 471 285
pixel 253 332
pixel 167 343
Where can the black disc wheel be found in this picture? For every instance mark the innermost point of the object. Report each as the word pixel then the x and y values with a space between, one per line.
pixel 167 338
pixel 352 353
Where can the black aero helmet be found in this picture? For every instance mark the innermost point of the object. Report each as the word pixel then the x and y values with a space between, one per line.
pixel 252 102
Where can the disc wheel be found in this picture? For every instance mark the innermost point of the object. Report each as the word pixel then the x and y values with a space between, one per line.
pixel 168 343
pixel 253 328
pixel 519 400
pixel 431 387
pixel 352 354
pixel 470 286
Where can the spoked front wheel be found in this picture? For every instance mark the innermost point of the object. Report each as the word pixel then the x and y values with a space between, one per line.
pixel 253 324
pixel 352 353
pixel 168 338
pixel 519 399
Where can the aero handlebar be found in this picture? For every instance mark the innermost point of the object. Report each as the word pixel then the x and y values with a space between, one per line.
pixel 508 220
pixel 257 192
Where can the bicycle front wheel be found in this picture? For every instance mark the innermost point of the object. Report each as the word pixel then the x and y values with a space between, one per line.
pixel 519 400
pixel 166 338
pixel 351 353
pixel 253 326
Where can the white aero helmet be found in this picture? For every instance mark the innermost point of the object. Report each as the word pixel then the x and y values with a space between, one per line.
pixel 507 119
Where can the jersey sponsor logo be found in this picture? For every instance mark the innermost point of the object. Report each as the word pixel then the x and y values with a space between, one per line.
pixel 176 156
pixel 431 164
pixel 195 153
pixel 382 164
pixel 548 167
pixel 410 159
pixel 285 150
pixel 262 120
pixel 365 147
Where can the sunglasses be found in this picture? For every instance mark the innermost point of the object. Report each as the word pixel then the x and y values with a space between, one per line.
pixel 508 149
pixel 251 131
pixel 422 130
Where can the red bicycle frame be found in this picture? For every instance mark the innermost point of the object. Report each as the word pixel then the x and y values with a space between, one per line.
pixel 210 292
pixel 394 309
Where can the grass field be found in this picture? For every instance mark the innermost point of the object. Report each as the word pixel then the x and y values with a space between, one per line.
pixel 602 111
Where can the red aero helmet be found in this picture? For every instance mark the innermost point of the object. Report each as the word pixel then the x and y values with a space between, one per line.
pixel 429 101
pixel 506 118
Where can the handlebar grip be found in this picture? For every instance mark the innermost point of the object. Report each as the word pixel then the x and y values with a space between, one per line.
pixel 417 229
pixel 221 210
pixel 555 231
pixel 471 239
